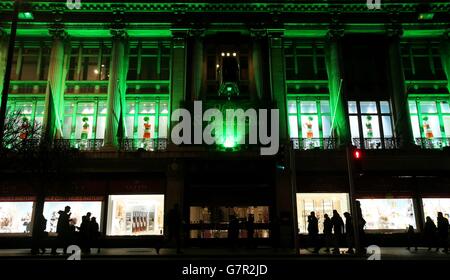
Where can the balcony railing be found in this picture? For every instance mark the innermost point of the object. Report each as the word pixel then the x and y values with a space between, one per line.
pixel 313 143
pixel 81 144
pixel 376 143
pixel 151 145
pixel 433 143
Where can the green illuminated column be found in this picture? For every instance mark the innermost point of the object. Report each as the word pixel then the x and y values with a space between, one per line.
pixel 3 53
pixel 257 36
pixel 54 99
pixel 340 127
pixel 445 55
pixel 278 80
pixel 402 121
pixel 197 63
pixel 174 189
pixel 116 89
pixel 178 68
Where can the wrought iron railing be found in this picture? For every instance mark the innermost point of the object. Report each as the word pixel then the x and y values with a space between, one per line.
pixel 80 144
pixel 151 145
pixel 313 143
pixel 376 143
pixel 433 143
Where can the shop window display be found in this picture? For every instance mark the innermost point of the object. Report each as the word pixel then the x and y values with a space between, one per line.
pixel 431 206
pixel 212 222
pixel 321 204
pixel 15 217
pixel 77 209
pixel 388 214
pixel 135 215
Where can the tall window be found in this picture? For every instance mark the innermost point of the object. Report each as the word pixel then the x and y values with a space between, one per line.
pixel 31 113
pixel 146 119
pixel 84 120
pixel 304 61
pixel 422 61
pixel 310 121
pixel 371 124
pixel 149 67
pixel 430 120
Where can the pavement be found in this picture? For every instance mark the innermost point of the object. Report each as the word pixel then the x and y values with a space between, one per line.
pixel 384 253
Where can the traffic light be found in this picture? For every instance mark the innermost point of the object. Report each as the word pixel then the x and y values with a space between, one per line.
pixel 357 159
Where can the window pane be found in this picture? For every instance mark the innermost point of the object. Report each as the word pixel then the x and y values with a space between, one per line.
pixel 292 107
pixel 85 108
pixel 412 107
pixel 163 108
pixel 102 110
pixel 147 108
pixel 354 128
pixel 131 108
pixel 101 121
pixel 415 126
pixel 428 107
pixel 310 127
pixel 308 107
pixel 352 107
pixel 387 126
pixel 293 126
pixel 384 107
pixel 447 126
pixel 388 213
pixel 326 126
pixel 368 107
pixel 371 126
pixel 163 127
pixel 68 108
pixel 431 126
pixel 324 107
pixel 445 108
pixel 130 126
pixel 67 128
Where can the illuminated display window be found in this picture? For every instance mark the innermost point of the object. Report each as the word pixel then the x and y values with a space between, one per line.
pixel 84 120
pixel 78 209
pixel 15 217
pixel 310 121
pixel 147 119
pixel 213 222
pixel 31 112
pixel 431 206
pixel 371 124
pixel 388 214
pixel 321 204
pixel 135 215
pixel 430 121
pixel 422 61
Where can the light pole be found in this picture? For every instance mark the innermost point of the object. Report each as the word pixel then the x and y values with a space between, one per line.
pixel 7 78
pixel 353 208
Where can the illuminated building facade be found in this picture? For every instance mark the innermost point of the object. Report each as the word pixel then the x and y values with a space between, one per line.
pixel 103 80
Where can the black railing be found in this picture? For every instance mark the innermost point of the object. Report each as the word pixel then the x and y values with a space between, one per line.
pixel 313 143
pixel 22 144
pixel 80 144
pixel 151 145
pixel 376 143
pixel 433 143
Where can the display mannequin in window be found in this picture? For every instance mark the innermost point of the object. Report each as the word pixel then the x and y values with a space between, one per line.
pixel 24 128
pixel 147 134
pixel 84 132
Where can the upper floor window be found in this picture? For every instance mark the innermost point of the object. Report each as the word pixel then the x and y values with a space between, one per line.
pixel 304 61
pixel 309 120
pixel 430 120
pixel 89 61
pixel 371 124
pixel 30 113
pixel 422 61
pixel 30 62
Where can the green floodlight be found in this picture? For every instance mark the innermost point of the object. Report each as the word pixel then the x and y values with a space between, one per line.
pixel 26 16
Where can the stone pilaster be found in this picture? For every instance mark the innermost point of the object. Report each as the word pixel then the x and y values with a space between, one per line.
pixel 258 35
pixel 3 56
pixel 197 63
pixel 178 94
pixel 445 55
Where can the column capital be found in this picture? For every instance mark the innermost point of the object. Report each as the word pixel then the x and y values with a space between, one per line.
pixel 197 32
pixel 57 32
pixel 179 36
pixel 394 31
pixel 275 37
pixel 335 32
pixel 118 32
pixel 258 33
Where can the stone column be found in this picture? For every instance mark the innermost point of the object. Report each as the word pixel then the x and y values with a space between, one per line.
pixel 340 128
pixel 277 80
pixel 175 192
pixel 402 121
pixel 257 36
pixel 54 99
pixel 3 55
pixel 445 55
pixel 197 63
pixel 116 89
pixel 178 68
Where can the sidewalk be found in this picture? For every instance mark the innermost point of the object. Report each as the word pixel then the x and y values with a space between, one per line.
pixel 387 253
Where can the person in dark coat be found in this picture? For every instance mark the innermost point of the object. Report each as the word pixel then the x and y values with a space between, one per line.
pixel 338 230
pixel 349 232
pixel 85 232
pixel 412 242
pixel 63 230
pixel 361 225
pixel 94 234
pixel 313 231
pixel 442 231
pixel 327 232
pixel 250 230
pixel 175 226
pixel 233 231
pixel 429 232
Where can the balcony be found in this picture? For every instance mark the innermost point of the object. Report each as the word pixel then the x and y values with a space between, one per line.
pixel 28 87
pixel 376 143
pixel 313 143
pixel 86 87
pixel 150 145
pixel 80 144
pixel 433 143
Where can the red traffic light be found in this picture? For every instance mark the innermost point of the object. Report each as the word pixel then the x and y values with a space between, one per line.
pixel 357 154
